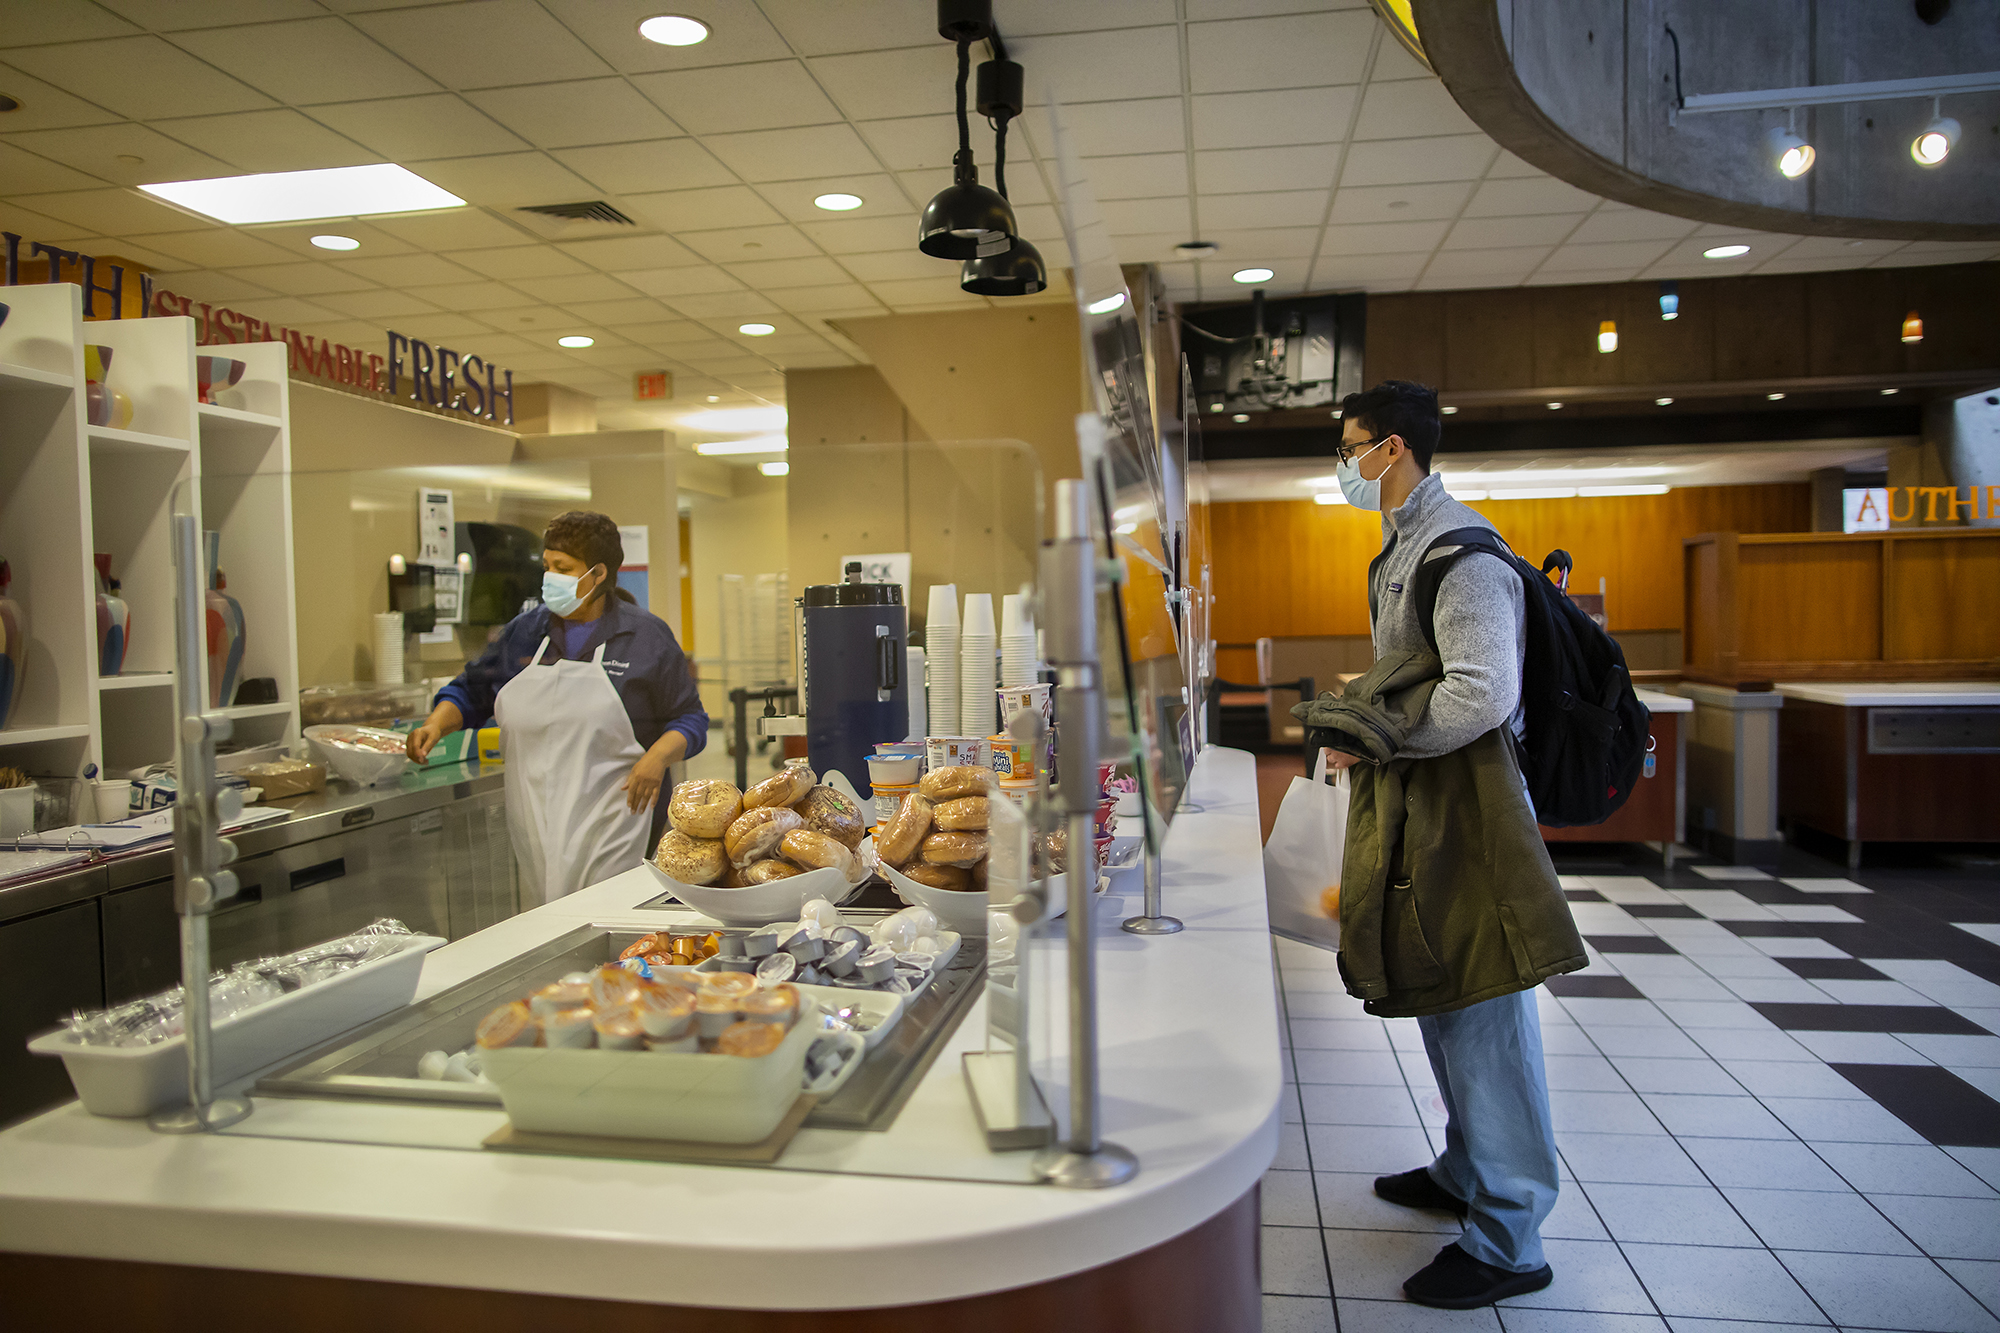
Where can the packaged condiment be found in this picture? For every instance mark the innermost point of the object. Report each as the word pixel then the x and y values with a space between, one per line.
pixel 619 1031
pixel 512 1024
pixel 715 1010
pixel 569 1028
pixel 750 1039
pixel 665 1012
pixel 559 995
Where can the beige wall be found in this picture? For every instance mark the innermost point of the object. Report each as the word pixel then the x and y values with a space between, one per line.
pixel 740 533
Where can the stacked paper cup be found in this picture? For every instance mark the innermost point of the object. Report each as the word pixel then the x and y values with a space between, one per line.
pixel 979 710
pixel 389 648
pixel 941 659
pixel 1017 642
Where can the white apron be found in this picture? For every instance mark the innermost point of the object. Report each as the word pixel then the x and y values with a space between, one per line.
pixel 569 746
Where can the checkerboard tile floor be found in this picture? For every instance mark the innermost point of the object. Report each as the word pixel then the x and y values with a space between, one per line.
pixel 1777 1098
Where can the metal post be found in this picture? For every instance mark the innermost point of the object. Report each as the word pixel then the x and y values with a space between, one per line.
pixel 199 854
pixel 1069 599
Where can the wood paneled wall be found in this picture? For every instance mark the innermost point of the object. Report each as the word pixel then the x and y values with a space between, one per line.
pixel 1292 567
pixel 1746 328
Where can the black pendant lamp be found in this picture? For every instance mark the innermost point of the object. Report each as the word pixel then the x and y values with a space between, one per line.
pixel 1018 270
pixel 965 220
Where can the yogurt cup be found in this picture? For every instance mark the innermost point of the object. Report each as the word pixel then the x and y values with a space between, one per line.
pixel 956 751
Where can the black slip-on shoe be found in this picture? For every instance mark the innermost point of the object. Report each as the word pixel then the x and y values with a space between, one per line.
pixel 1416 1189
pixel 1457 1281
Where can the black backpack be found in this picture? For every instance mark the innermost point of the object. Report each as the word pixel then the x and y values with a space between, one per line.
pixel 1587 734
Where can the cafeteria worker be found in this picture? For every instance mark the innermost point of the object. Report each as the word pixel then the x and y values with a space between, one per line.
pixel 595 701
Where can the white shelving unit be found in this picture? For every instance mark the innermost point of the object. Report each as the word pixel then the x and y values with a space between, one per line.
pixel 69 489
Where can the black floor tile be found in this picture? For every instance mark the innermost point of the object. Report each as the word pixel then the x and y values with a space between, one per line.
pixel 1836 969
pixel 1935 1102
pixel 1584 895
pixel 1602 988
pixel 1630 944
pixel 1762 891
pixel 1662 910
pixel 1869 1018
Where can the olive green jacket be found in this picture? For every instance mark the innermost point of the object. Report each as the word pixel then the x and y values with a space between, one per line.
pixel 1447 893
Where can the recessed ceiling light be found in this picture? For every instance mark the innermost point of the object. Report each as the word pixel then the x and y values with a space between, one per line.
pixel 714 398
pixel 1773 397
pixel 673 30
pixel 1240 418
pixel 780 468
pixel 1593 492
pixel 838 203
pixel 755 444
pixel 1448 411
pixel 575 340
pixel 1253 275
pixel 1725 251
pixel 1536 493
pixel 1555 407
pixel 1889 391
pixel 757 330
pixel 1662 402
pixel 1108 304
pixel 294 196
pixel 336 242
pixel 1196 249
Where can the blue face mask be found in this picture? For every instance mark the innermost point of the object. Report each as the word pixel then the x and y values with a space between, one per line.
pixel 559 592
pixel 1359 490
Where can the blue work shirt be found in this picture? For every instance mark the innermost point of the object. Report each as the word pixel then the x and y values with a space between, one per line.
pixel 654 678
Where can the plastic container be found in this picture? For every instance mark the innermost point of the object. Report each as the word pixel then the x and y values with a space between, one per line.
pixel 361 765
pixel 363 703
pixel 650 1095
pixel 138 1080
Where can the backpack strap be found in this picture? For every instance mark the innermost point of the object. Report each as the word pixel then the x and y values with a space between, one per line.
pixel 1433 567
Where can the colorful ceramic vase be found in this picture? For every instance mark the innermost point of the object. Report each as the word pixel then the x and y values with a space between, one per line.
pixel 13 645
pixel 225 630
pixel 114 620
pixel 103 405
pixel 215 372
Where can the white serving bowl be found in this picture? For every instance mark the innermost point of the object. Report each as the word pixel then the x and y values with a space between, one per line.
pixel 365 768
pixel 895 772
pixel 961 910
pixel 760 904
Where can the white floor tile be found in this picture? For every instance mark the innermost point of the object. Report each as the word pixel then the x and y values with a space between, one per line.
pixel 1566 1039
pixel 1638 1159
pixel 1730 872
pixel 1298 981
pixel 1372 1265
pixel 1292 1149
pixel 1724 905
pixel 1815 1220
pixel 1401 1316
pixel 1324 1004
pixel 1693 1076
pixel 1727 1012
pixel 1683 1324
pixel 1289 1109
pixel 1812 912
pixel 1357 1104
pixel 1737 1117
pixel 1860 1048
pixel 1597 1011
pixel 1573 1217
pixel 1861 991
pixel 1826 886
pixel 1403 1034
pixel 1982 1162
pixel 1657 965
pixel 1700 938
pixel 1888 1168
pixel 1607 919
pixel 1981 1279
pixel 1348 1067
pixel 1826 1120
pixel 1620 1112
pixel 1631 890
pixel 1878 1291
pixel 1667 1043
pixel 1984 1079
pixel 1986 1018
pixel 1581 1073
pixel 1380 1150
pixel 1681 988
pixel 1985 930
pixel 1946 1228
pixel 1797 990
pixel 1795 946
pixel 1750 1044
pixel 1791 1078
pixel 1973 994
pixel 1299 1314
pixel 1589 1275
pixel 1717 1283
pixel 1293 1262
pixel 1669 1214
pixel 1575 882
pixel 1518 1320
pixel 1338 1034
pixel 1287 1199
pixel 1348 1201
pixel 1752 964
pixel 1764 1164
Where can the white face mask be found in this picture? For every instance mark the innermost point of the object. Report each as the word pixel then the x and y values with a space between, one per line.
pixel 559 592
pixel 1359 490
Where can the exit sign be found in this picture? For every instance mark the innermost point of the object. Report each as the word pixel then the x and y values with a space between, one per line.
pixel 648 385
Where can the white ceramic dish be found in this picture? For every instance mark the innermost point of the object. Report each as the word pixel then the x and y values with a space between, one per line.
pixel 650 1095
pixel 138 1080
pixel 760 904
pixel 962 911
pixel 365 768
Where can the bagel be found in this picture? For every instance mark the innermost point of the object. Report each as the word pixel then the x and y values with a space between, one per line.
pixel 826 810
pixel 954 848
pixel 955 878
pixel 763 872
pixel 816 851
pixel 705 807
pixel 756 833
pixel 691 860
pixel 966 812
pixel 787 786
pixel 899 841
pixel 946 784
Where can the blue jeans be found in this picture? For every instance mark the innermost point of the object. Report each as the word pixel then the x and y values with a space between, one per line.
pixel 1500 1144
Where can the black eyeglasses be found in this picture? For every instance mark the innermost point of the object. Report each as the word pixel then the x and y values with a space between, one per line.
pixel 1346 453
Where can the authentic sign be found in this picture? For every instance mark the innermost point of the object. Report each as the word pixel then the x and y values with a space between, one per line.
pixel 412 370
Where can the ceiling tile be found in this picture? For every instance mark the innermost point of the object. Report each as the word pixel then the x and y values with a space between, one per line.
pixel 689 280
pixel 303 278
pixel 433 328
pixel 534 323
pixel 1410 109
pixel 470 296
pixel 484 43
pixel 28 173
pixel 806 271
pixel 404 271
pixel 853 236
pixel 276 140
pixel 220 288
pixel 738 33
pixel 1259 120
pixel 218 247
pixel 940 290
pixel 1101 66
pixel 1515 260
pixel 1294 51
pixel 1494 233
pixel 702 210
pixel 316 60
pixel 815 28
pixel 1376 238
pixel 1398 203
pixel 799 154
pixel 293 312
pixel 173 15
pixel 1392 62
pixel 584 111
pixel 98 149
pixel 1241 170
pixel 919 143
pixel 711 101
pixel 380 304
pixel 719 305
pixel 617 253
pixel 1512 198
pixel 1410 161
pixel 614 314
pixel 1507 166
pixel 297 238
pixel 45 106
pixel 1847 251
pixel 1099 129
pixel 841 297
pixel 1025 18
pixel 1151 176
pixel 892 265
pixel 879 194
pixel 915 80
pixel 32 22
pixel 1338 271
pixel 114 212
pixel 663 332
pixel 411 129
pixel 744 244
pixel 577 287
pixel 671 164
pixel 454 229
pixel 1286 208
pixel 1632 224
pixel 1627 256
pixel 507 180
pixel 525 261
pixel 111 248
pixel 141 77
pixel 1546 276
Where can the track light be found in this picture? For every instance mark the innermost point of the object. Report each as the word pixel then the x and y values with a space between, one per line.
pixel 1913 327
pixel 965 220
pixel 1937 140
pixel 1017 270
pixel 1792 155
pixel 1607 335
pixel 1670 300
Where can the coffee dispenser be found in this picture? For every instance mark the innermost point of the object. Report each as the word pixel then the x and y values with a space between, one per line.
pixel 852 672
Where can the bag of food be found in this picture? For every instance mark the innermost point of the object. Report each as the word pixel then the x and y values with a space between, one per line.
pixel 1302 859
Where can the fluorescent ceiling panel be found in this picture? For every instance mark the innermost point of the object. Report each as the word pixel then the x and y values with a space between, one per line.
pixel 294 196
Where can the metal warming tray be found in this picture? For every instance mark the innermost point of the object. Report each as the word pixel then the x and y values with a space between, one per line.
pixel 379 1062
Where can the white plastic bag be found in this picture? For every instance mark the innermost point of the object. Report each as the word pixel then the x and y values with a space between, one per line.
pixel 1302 858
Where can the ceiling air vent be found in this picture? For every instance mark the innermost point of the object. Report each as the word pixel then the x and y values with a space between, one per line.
pixel 589 210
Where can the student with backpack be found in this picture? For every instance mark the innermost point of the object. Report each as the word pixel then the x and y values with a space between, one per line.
pixel 1450 907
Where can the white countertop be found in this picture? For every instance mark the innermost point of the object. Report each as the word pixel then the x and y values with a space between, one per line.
pixel 1657 702
pixel 1188 1033
pixel 1895 694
